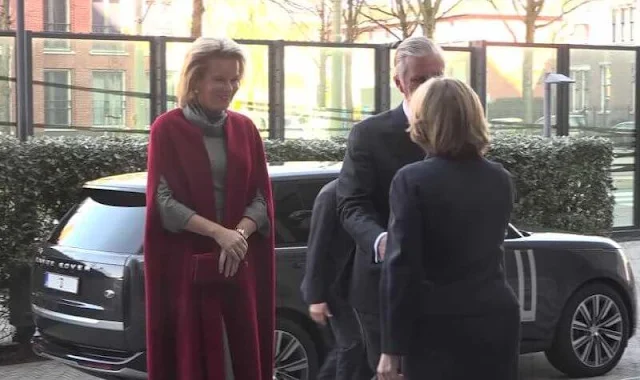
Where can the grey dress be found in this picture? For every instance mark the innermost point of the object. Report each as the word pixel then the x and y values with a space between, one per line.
pixel 175 215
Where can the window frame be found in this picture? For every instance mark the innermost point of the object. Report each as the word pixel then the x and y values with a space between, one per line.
pixel 69 100
pixel 52 45
pixel 124 99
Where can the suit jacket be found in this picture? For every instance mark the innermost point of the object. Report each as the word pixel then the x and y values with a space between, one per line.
pixel 444 247
pixel 377 147
pixel 328 250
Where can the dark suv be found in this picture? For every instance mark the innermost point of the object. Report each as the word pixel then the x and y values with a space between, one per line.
pixel 577 293
pixel 87 283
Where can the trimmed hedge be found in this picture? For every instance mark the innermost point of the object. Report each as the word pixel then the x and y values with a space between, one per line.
pixel 562 183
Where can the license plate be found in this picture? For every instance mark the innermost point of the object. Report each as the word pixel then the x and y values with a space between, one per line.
pixel 61 282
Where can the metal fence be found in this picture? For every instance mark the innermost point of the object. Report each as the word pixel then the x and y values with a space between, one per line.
pixel 96 83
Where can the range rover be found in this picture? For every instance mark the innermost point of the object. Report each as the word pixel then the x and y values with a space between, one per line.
pixel 577 293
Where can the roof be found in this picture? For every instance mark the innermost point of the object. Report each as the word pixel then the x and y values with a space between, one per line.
pixel 137 182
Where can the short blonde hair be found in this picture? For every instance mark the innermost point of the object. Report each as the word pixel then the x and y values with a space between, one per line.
pixel 447 119
pixel 195 64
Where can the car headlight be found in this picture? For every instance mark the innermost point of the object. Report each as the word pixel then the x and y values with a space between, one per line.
pixel 628 274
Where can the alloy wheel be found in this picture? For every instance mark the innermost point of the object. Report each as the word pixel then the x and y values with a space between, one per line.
pixel 596 330
pixel 291 362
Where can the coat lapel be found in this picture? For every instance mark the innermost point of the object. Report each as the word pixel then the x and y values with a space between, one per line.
pixel 409 151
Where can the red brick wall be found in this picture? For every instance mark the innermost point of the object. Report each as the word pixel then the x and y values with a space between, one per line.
pixel 81 62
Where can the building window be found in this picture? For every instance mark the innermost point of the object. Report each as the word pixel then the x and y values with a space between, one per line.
pixel 56 19
pixel 632 11
pixel 57 98
pixel 108 106
pixel 605 86
pixel 105 16
pixel 623 25
pixel 580 89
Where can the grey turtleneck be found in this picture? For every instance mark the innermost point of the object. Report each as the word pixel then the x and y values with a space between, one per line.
pixel 176 215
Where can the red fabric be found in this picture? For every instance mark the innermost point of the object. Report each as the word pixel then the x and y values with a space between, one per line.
pixel 184 335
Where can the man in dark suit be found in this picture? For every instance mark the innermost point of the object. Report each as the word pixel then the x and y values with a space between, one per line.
pixel 377 147
pixel 329 250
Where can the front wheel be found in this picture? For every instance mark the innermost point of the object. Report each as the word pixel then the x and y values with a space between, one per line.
pixel 296 356
pixel 592 332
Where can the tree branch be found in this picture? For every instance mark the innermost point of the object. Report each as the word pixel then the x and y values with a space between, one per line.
pixel 383 25
pixel 289 5
pixel 515 6
pixel 444 13
pixel 380 10
pixel 506 24
pixel 564 12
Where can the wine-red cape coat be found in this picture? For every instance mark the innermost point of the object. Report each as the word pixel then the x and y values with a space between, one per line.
pixel 183 320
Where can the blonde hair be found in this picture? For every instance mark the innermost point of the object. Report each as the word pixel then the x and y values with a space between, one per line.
pixel 195 64
pixel 416 46
pixel 447 119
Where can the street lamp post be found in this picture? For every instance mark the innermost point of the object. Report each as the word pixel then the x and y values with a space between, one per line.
pixel 21 74
pixel 549 79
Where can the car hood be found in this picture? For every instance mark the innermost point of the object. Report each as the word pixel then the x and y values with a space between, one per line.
pixel 572 240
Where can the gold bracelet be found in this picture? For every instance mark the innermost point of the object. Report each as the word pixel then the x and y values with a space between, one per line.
pixel 242 232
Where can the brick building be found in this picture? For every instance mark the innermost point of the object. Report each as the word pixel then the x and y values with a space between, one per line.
pixel 87 65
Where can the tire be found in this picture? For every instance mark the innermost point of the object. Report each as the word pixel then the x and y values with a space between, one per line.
pixel 574 327
pixel 295 352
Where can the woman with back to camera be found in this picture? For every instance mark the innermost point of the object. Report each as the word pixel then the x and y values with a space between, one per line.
pixel 447 310
pixel 209 247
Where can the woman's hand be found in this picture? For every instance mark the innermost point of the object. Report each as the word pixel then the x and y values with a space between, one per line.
pixel 388 367
pixel 228 264
pixel 231 242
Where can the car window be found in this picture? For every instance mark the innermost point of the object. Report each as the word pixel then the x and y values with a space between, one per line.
pixel 104 220
pixel 293 203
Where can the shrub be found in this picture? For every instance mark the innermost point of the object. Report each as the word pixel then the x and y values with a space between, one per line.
pixel 562 183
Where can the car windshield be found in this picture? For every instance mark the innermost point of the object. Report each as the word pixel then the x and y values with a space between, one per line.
pixel 104 220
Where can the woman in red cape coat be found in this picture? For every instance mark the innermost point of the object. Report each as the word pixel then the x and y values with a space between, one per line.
pixel 184 318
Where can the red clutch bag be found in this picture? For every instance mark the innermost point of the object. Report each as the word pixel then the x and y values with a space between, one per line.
pixel 204 268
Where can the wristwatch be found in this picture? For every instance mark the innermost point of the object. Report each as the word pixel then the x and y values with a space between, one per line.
pixel 242 232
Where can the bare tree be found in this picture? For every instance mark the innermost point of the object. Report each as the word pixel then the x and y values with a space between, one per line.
pixel 346 26
pixel 352 15
pixel 196 18
pixel 5 63
pixel 405 16
pixel 323 11
pixel 530 11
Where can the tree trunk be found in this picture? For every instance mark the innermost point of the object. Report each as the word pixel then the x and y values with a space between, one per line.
pixel 196 18
pixel 5 67
pixel 348 95
pixel 336 66
pixel 321 94
pixel 140 82
pixel 527 67
pixel 321 91
pixel 428 19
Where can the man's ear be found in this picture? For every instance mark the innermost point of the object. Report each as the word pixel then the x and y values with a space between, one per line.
pixel 398 83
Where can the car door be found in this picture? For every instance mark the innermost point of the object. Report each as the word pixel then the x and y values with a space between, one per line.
pixel 293 206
